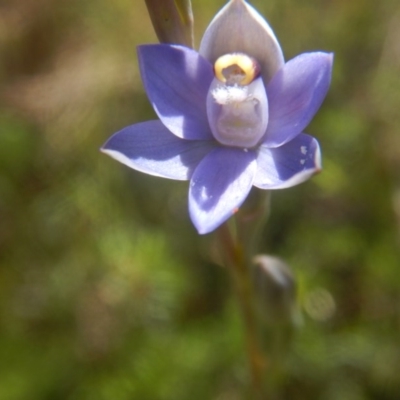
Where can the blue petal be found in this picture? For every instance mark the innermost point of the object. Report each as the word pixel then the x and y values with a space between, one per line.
pixel 288 165
pixel 177 80
pixel 219 185
pixel 150 148
pixel 295 94
pixel 238 27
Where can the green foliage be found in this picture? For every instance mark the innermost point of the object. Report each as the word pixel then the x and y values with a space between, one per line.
pixel 107 292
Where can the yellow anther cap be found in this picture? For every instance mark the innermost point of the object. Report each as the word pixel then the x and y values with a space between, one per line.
pixel 236 68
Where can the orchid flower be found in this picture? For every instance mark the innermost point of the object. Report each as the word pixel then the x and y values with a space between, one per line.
pixel 231 116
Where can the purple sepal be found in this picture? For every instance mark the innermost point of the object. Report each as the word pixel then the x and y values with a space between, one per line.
pixel 219 185
pixel 176 80
pixel 151 148
pixel 295 94
pixel 238 27
pixel 288 165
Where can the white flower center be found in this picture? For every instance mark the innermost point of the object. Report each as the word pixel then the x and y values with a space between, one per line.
pixel 230 94
pixel 237 104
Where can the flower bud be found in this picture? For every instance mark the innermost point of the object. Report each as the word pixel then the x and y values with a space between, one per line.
pixel 276 306
pixel 172 20
pixel 276 290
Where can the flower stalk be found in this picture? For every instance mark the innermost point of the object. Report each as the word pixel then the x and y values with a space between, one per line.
pixel 234 256
pixel 236 244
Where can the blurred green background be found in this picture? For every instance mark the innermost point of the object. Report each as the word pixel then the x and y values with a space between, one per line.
pixel 106 290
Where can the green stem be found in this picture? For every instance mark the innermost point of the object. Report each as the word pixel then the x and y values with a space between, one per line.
pixel 250 220
pixel 235 257
pixel 237 251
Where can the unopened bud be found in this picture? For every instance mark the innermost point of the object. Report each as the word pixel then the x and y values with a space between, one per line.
pixel 276 290
pixel 172 20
